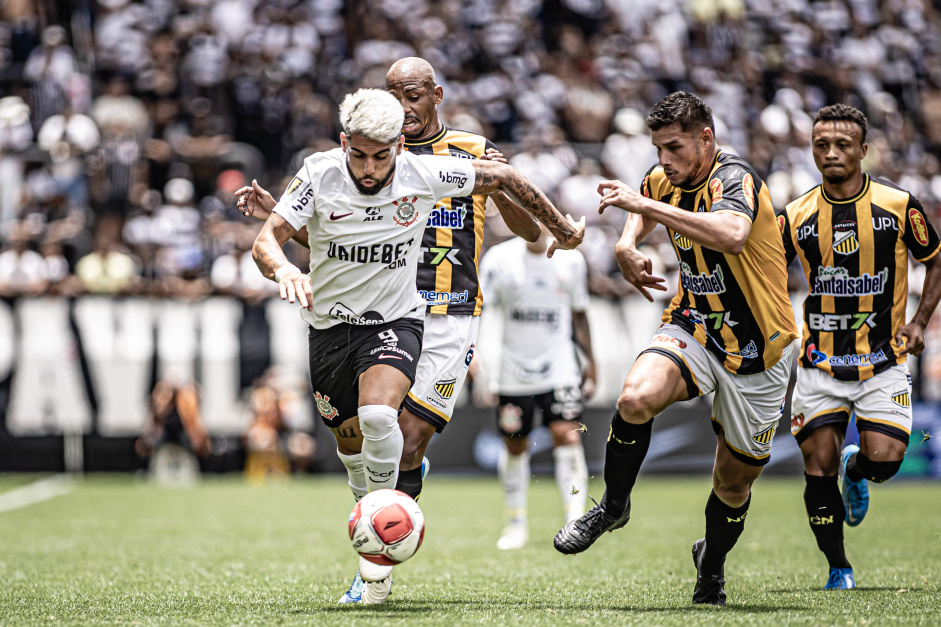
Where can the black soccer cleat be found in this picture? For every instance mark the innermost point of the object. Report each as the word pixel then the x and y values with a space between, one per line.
pixel 581 533
pixel 710 589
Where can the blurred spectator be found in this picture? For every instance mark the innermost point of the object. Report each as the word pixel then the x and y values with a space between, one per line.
pixel 108 268
pixel 264 454
pixel 49 69
pixel 16 133
pixel 22 271
pixel 175 434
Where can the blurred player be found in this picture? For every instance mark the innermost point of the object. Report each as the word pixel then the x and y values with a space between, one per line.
pixel 729 329
pixel 853 234
pixel 365 206
pixel 543 302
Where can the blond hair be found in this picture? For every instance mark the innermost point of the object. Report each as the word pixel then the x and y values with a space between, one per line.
pixel 372 113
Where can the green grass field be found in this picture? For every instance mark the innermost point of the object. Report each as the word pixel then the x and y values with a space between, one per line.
pixel 120 551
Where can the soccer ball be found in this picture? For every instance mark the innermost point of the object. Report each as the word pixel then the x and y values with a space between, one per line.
pixel 387 527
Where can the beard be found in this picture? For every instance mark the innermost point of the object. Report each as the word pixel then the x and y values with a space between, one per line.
pixel 375 189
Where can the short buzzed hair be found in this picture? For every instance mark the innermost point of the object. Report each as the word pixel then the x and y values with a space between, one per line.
pixel 372 113
pixel 843 113
pixel 685 109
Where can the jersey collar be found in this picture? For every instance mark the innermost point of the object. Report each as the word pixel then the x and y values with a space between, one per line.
pixel 430 140
pixel 847 201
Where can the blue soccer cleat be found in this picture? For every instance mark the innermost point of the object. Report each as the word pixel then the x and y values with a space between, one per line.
pixel 840 579
pixel 355 593
pixel 855 493
pixel 425 467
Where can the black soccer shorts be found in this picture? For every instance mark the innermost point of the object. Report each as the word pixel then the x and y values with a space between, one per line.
pixel 340 354
pixel 515 414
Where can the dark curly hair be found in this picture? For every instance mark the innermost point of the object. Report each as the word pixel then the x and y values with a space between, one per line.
pixel 682 108
pixel 843 113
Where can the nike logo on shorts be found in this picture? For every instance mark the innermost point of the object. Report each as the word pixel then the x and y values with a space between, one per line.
pixel 336 217
pixel 387 356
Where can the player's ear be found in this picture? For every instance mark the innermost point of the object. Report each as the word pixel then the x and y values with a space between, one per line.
pixel 438 94
pixel 863 150
pixel 706 136
pixel 400 142
pixel 344 143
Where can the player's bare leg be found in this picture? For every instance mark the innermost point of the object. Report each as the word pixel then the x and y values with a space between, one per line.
pixel 416 433
pixel 725 520
pixel 654 383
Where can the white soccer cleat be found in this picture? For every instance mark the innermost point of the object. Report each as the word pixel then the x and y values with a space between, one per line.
pixel 515 536
pixel 373 572
pixel 376 592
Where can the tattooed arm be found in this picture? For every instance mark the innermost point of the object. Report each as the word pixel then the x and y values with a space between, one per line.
pixel 257 202
pixel 516 217
pixel 270 259
pixel 492 177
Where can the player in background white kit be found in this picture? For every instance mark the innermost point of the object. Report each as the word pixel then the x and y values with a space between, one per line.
pixel 364 206
pixel 543 302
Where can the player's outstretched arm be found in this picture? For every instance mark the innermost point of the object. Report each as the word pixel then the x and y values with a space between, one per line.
pixel 724 231
pixel 492 177
pixel 517 219
pixel 269 257
pixel 912 336
pixel 256 202
pixel 635 266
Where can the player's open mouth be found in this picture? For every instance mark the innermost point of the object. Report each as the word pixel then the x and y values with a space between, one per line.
pixel 410 124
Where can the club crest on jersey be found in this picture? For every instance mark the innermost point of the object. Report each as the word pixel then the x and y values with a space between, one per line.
pixel 902 398
pixel 405 212
pixel 845 242
pixel 764 436
pixel 919 228
pixel 715 188
pixel 682 241
pixel 748 188
pixel 445 387
pixel 328 411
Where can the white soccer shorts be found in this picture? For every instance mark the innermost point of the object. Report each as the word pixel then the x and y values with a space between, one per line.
pixel 881 403
pixel 746 407
pixel 447 350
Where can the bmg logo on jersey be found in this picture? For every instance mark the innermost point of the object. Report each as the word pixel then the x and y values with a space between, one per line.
pixel 458 178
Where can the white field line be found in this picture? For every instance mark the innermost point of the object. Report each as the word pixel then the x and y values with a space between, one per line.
pixel 37 492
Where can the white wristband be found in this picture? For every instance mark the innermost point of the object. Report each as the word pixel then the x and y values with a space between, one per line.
pixel 280 272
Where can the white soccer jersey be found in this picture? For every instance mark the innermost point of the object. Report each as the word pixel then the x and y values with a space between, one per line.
pixel 364 249
pixel 537 295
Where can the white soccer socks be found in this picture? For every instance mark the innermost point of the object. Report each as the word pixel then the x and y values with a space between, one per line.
pixel 571 475
pixel 382 446
pixel 514 476
pixel 354 470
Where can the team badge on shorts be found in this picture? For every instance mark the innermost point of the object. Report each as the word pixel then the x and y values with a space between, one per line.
pixel 764 436
pixel 405 211
pixel 445 387
pixel 902 399
pixel 511 418
pixel 328 411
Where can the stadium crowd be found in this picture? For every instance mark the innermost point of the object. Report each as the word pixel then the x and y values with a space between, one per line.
pixel 126 126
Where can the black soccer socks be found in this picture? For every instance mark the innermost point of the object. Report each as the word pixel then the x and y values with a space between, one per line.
pixel 410 482
pixel 825 512
pixel 624 453
pixel 724 525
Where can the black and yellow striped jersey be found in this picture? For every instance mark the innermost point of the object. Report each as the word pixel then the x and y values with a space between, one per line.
pixel 855 257
pixel 736 306
pixel 447 267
